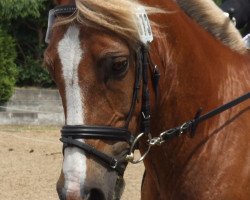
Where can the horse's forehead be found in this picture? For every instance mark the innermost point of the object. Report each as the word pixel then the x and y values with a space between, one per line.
pixel 91 35
pixel 94 41
pixel 102 42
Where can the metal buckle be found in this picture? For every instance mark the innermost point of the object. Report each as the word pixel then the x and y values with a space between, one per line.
pixel 156 141
pixel 145 117
pixel 130 157
pixel 114 164
pixel 184 127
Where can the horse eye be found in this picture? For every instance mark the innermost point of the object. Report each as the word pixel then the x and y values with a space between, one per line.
pixel 119 67
pixel 114 67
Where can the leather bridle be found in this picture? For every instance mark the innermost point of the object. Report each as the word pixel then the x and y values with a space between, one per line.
pixel 71 133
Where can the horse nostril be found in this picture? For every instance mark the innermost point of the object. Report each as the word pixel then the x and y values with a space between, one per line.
pixel 96 194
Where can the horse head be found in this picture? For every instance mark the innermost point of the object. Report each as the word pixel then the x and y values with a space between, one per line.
pixel 98 55
pixel 93 58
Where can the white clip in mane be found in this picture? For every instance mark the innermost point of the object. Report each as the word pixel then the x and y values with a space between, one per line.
pixel 233 20
pixel 246 40
pixel 143 24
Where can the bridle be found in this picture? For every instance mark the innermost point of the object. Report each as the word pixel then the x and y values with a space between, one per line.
pixel 71 133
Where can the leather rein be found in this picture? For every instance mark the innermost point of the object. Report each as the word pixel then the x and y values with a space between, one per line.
pixel 71 133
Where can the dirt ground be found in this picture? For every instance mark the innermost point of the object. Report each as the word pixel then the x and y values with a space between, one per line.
pixel 30 163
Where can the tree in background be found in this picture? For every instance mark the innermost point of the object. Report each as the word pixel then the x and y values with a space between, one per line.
pixel 8 71
pixel 218 2
pixel 26 22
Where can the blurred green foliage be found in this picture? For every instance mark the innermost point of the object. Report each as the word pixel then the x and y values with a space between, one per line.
pixel 13 9
pixel 218 2
pixel 32 74
pixel 8 70
pixel 22 31
pixel 26 21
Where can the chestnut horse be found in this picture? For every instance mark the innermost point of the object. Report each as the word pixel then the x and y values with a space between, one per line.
pixel 95 54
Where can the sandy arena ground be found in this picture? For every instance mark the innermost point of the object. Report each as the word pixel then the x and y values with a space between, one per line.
pixel 30 163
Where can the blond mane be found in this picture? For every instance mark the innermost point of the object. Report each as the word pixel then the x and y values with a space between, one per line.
pixel 212 18
pixel 117 16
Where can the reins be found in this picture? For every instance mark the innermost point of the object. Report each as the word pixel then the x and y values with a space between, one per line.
pixel 188 126
pixel 191 125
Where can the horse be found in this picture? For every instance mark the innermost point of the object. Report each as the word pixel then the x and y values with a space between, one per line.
pixel 107 68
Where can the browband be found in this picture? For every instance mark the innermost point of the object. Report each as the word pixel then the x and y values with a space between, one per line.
pixel 59 10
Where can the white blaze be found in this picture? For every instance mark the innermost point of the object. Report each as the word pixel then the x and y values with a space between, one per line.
pixel 70 54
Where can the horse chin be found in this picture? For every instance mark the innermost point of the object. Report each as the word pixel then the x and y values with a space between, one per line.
pixel 119 188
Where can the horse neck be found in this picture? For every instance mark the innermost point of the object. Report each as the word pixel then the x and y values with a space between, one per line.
pixel 196 70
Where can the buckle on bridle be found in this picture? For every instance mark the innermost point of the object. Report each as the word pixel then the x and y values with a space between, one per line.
pixel 145 117
pixel 130 156
pixel 114 164
pixel 156 141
